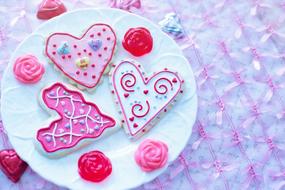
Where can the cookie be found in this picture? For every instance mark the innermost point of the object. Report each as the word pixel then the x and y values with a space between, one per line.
pixel 73 121
pixel 83 59
pixel 143 100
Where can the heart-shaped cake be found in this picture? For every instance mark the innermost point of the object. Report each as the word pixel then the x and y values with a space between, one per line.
pixel 83 59
pixel 77 120
pixel 142 100
pixel 12 165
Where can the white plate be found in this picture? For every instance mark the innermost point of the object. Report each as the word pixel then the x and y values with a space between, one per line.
pixel 22 115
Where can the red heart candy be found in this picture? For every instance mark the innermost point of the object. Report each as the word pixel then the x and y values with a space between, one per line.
pixel 12 165
pixel 50 8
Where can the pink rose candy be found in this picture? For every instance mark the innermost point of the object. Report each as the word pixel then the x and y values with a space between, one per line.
pixel 28 69
pixel 151 155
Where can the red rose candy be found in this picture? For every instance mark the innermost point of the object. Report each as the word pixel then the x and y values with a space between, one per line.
pixel 138 41
pixel 94 166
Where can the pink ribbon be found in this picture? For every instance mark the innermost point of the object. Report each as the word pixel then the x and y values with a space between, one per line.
pixel 126 4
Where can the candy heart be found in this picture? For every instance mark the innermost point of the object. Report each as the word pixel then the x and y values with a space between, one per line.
pixel 50 8
pixel 63 49
pixel 171 24
pixel 95 44
pixel 83 59
pixel 143 107
pixel 12 165
pixel 77 126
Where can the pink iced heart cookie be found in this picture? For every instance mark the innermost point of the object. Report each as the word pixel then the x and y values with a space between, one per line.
pixel 76 119
pixel 141 99
pixel 83 59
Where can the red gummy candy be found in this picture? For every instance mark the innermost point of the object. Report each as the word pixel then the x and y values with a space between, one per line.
pixel 94 166
pixel 50 8
pixel 138 41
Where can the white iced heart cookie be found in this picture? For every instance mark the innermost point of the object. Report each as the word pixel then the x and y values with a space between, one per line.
pixel 142 100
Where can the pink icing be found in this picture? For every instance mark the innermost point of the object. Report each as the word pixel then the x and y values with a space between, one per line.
pixel 162 89
pixel 130 85
pixel 79 48
pixel 50 8
pixel 28 69
pixel 78 119
pixel 140 107
pixel 151 155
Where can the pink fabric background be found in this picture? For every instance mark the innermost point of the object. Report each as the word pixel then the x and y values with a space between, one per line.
pixel 237 51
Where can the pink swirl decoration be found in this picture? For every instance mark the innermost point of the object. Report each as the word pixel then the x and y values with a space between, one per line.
pixel 151 155
pixel 140 108
pixel 128 80
pixel 162 85
pixel 28 69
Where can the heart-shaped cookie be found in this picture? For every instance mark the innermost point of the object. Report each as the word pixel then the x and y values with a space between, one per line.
pixel 12 165
pixel 50 8
pixel 83 59
pixel 141 99
pixel 77 120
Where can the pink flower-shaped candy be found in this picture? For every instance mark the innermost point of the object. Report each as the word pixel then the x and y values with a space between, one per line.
pixel 28 69
pixel 151 155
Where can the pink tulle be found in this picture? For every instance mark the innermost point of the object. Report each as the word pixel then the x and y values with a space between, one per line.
pixel 126 4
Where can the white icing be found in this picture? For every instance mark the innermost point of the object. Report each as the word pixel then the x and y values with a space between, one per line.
pixel 17 102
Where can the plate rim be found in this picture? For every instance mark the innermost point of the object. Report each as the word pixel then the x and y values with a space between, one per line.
pixel 193 98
